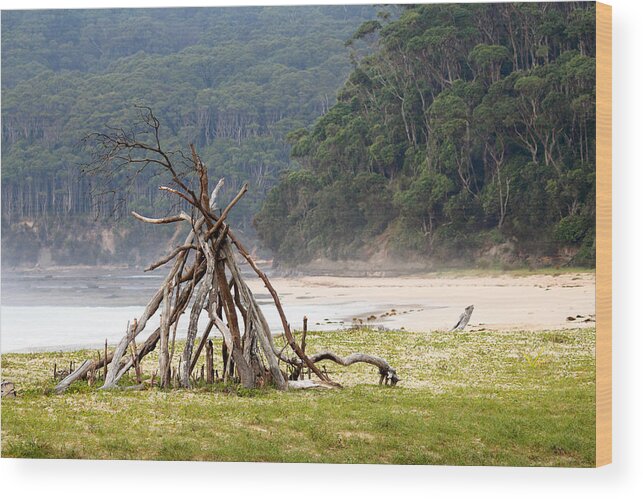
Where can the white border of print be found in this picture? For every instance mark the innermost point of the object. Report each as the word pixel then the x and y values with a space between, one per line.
pixel 623 478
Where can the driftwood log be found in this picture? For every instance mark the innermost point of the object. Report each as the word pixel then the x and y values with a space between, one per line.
pixel 79 373
pixel 204 278
pixel 304 384
pixel 388 375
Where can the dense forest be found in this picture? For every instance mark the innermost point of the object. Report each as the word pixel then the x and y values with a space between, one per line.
pixel 465 134
pixel 452 133
pixel 233 81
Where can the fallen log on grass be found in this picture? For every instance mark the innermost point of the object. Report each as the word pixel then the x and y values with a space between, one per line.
pixel 388 375
pixel 305 384
pixel 79 373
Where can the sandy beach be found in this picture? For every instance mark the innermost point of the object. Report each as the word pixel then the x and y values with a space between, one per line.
pixel 429 302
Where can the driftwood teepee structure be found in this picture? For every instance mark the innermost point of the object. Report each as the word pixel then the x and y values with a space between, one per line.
pixel 204 279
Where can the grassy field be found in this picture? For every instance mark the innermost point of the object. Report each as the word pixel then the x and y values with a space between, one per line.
pixel 465 398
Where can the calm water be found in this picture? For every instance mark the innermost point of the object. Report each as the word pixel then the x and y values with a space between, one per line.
pixel 74 309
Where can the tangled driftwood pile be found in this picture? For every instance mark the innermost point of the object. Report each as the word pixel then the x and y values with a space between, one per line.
pixel 204 279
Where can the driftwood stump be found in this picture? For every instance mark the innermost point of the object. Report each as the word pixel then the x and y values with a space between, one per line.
pixel 8 389
pixel 464 319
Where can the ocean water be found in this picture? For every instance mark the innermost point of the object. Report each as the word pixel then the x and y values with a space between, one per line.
pixel 69 310
pixel 33 328
pixel 75 308
pixel 41 328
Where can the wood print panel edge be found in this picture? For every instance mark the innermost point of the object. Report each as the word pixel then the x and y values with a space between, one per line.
pixel 603 234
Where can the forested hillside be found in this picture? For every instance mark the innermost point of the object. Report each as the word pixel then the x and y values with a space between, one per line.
pixel 233 81
pixel 466 135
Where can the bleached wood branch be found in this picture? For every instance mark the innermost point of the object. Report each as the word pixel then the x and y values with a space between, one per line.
pixel 77 374
pixel 215 193
pixel 169 257
pixel 113 373
pixel 227 209
pixel 387 373
pixel 168 220
pixel 464 319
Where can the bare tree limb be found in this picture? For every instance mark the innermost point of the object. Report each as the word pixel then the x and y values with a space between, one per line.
pixel 387 373
pixel 168 220
pixel 169 257
pixel 225 212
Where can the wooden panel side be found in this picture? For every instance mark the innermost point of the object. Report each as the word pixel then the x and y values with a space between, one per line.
pixel 603 234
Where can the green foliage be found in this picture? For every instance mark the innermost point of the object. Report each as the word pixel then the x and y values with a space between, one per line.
pixel 457 121
pixel 233 81
pixel 332 221
pixel 487 55
pixel 572 229
pixel 478 119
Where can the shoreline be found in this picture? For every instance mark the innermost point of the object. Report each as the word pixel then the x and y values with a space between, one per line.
pixel 82 310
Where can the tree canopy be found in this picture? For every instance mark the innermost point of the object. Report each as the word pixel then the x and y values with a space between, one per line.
pixel 233 81
pixel 467 127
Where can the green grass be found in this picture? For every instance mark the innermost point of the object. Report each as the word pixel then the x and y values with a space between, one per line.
pixel 472 398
